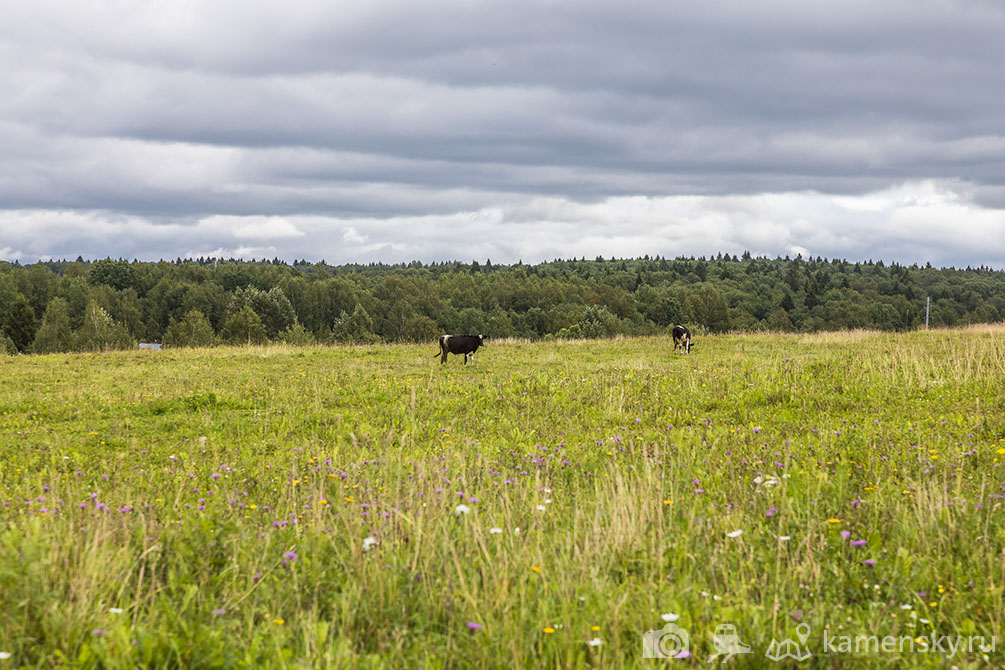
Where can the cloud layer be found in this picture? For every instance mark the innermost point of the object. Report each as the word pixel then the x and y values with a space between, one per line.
pixel 393 131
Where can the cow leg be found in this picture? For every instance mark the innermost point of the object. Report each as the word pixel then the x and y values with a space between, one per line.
pixel 443 358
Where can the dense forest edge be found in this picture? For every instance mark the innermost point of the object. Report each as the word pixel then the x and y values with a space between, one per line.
pixel 57 306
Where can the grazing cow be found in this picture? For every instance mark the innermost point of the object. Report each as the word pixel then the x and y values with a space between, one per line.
pixel 460 344
pixel 681 339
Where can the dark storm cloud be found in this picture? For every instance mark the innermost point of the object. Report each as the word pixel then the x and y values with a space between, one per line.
pixel 155 117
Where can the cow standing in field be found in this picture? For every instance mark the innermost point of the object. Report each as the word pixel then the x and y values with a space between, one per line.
pixel 681 339
pixel 460 344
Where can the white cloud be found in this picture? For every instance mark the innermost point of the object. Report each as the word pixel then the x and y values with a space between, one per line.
pixel 350 234
pixel 914 222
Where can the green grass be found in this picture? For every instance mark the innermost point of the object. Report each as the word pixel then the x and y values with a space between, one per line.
pixel 624 467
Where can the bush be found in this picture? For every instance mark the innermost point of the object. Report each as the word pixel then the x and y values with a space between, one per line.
pixel 297 335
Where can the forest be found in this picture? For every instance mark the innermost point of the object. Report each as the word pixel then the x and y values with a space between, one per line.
pixel 58 306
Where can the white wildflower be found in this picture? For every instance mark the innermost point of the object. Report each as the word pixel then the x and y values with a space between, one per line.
pixel 735 533
pixel 368 543
pixel 670 617
pixel 462 509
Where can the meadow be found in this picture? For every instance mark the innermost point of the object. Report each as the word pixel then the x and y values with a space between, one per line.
pixel 367 507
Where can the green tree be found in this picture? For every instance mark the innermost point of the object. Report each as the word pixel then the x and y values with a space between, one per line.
pixel 55 334
pixel 780 321
pixel 355 328
pixel 597 321
pixel 194 330
pixel 100 332
pixel 420 328
pixel 7 347
pixel 18 322
pixel 244 327
pixel 117 274
pixel 272 307
pixel 708 308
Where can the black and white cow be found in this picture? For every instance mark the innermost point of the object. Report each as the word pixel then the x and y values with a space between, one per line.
pixel 681 339
pixel 460 344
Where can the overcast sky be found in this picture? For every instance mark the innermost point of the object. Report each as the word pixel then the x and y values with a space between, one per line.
pixel 390 131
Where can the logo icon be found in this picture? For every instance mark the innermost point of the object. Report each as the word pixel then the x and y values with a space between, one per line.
pixel 670 641
pixel 789 648
pixel 727 643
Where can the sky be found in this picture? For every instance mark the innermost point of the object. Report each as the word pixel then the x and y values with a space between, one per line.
pixel 521 130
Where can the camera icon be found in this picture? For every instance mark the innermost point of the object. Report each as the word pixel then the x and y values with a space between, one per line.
pixel 670 641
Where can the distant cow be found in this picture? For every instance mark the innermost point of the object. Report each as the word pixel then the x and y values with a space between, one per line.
pixel 459 344
pixel 681 339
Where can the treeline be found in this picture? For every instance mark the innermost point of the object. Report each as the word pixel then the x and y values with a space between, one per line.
pixel 111 304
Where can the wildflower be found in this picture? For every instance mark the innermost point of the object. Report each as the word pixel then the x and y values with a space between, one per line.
pixel 595 642
pixel 4 655
pixel 98 631
pixel 115 610
pixel 771 511
pixel 859 543
pixel 670 617
pixel 549 630
pixel 735 533
pixel 279 622
pixel 541 508
pixel 536 569
pixel 833 520
pixel 462 509
pixel 368 543
pixel 474 626
pixel 495 531
pixel 845 534
pixel 290 556
pixel 219 612
pixel 595 629
pixel 869 561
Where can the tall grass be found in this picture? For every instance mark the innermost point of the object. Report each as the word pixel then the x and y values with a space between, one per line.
pixel 299 507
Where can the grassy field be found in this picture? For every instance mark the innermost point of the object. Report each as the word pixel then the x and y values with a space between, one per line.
pixel 544 507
